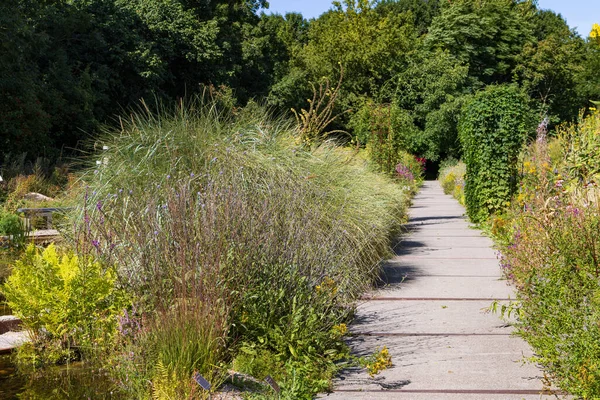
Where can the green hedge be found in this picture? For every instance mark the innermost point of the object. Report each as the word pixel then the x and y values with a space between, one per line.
pixel 492 130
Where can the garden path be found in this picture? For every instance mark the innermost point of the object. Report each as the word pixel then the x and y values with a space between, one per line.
pixel 431 315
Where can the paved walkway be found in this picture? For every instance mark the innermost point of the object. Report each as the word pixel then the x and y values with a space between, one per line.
pixel 431 316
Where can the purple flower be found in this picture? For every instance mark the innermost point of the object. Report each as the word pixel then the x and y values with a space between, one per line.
pixel 404 172
pixel 96 243
pixel 99 205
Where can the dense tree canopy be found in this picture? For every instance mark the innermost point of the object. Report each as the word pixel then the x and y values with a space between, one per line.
pixel 67 67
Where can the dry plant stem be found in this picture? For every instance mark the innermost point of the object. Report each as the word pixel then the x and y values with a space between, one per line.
pixel 312 123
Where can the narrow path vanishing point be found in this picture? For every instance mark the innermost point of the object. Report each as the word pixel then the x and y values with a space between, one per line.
pixel 431 316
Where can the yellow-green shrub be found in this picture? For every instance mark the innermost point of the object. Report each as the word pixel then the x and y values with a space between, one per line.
pixel 68 304
pixel 452 179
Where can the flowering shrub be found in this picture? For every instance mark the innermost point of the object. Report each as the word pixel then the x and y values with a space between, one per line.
pixel 551 252
pixel 410 170
pixel 404 173
pixel 452 179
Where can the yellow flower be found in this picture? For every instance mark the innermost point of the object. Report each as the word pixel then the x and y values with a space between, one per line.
pixel 327 286
pixel 340 330
pixel 595 33
pixel 382 360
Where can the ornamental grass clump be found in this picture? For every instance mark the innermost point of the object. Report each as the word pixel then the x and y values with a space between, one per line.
pixel 222 212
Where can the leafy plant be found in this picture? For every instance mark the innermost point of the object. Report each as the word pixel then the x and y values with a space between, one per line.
pixel 378 362
pixel 68 304
pixel 238 224
pixel 549 250
pixel 12 227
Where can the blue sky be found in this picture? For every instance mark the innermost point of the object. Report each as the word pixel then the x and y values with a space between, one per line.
pixel 578 13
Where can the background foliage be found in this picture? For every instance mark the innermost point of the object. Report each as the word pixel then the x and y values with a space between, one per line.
pixel 69 66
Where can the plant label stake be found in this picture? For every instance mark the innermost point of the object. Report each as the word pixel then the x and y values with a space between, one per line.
pixel 273 384
pixel 204 384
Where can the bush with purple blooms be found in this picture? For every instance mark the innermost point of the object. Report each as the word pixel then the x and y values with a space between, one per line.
pixel 410 170
pixel 551 252
pixel 404 173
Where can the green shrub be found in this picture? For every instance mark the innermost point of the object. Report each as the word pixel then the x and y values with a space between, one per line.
pixel 12 226
pixel 388 133
pixel 492 129
pixel 68 304
pixel 280 330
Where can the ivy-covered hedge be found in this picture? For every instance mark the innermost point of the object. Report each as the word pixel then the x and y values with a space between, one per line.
pixel 492 129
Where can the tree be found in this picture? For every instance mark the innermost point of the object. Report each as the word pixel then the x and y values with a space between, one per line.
pixel 24 125
pixel 371 47
pixel 589 79
pixel 548 68
pixel 423 11
pixel 488 36
pixel 430 87
pixel 268 50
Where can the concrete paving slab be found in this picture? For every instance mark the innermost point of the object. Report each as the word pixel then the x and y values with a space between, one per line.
pixel 383 394
pixel 448 363
pixel 450 253
pixel 429 317
pixel 396 269
pixel 11 340
pixel 425 242
pixel 448 286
